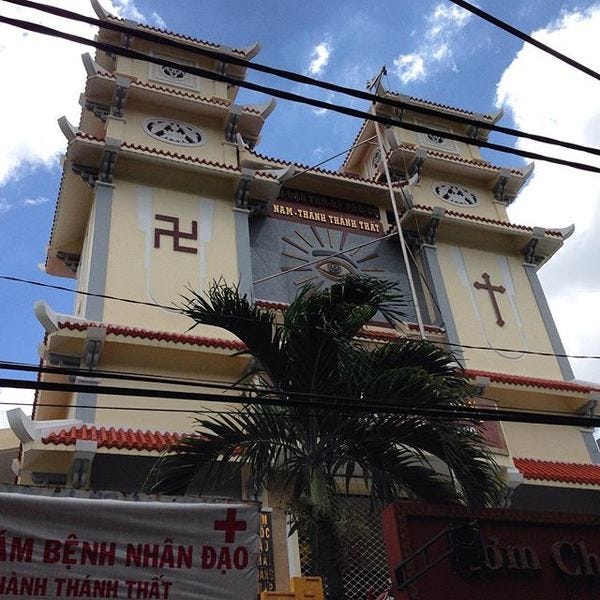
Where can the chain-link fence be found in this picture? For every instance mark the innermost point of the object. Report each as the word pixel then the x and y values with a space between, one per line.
pixel 364 562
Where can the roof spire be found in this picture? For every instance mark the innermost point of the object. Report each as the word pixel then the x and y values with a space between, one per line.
pixel 375 82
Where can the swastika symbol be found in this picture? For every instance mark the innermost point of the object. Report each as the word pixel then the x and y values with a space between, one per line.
pixel 176 234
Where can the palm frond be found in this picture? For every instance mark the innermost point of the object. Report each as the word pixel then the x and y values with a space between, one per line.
pixel 310 446
pixel 223 306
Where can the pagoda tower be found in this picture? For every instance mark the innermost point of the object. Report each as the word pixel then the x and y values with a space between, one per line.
pixel 163 190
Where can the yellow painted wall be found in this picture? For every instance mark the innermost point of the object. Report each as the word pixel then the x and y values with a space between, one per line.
pixel 423 194
pixel 139 271
pixel 184 363
pixel 453 148
pixel 475 318
pixel 546 442
pixel 146 72
pixel 212 128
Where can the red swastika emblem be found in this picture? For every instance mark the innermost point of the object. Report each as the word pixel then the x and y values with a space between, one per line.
pixel 230 525
pixel 176 234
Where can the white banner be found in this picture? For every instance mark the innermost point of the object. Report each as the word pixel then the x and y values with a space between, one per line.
pixel 76 548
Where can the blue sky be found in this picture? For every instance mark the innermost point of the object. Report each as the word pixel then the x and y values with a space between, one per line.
pixel 432 50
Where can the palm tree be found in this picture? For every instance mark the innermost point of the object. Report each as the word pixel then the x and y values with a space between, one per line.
pixel 339 415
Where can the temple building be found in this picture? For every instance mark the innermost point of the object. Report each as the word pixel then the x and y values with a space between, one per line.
pixel 163 188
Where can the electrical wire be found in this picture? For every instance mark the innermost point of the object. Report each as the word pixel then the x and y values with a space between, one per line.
pixel 523 36
pixel 154 305
pixel 445 413
pixel 306 411
pixel 297 77
pixel 113 49
pixel 212 384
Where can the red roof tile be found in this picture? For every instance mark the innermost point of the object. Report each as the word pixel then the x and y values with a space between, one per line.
pixel 192 95
pixel 181 36
pixel 440 105
pixel 167 153
pixel 550 384
pixel 177 92
pixel 130 439
pixel 548 470
pixel 133 332
pixel 178 156
pixel 455 213
pixel 307 169
pixel 470 161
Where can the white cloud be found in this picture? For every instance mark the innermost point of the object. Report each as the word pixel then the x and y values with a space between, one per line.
pixel 158 21
pixel 128 10
pixel 35 201
pixel 13 398
pixel 441 52
pixel 30 135
pixel 410 67
pixel 443 26
pixel 548 97
pixel 5 206
pixel 320 57
pixel 446 17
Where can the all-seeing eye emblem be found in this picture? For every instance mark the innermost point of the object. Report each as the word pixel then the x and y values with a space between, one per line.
pixel 325 256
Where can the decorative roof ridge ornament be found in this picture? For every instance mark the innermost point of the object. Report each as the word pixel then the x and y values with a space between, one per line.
pixel 264 108
pixel 92 68
pixel 251 51
pixel 28 430
pixel 67 129
pixel 49 319
pixel 100 11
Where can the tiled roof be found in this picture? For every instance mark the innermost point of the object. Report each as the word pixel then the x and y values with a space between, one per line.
pixel 182 93
pixel 483 164
pixel 178 156
pixel 130 439
pixel 479 218
pixel 548 470
pixel 306 168
pixel 133 332
pixel 180 36
pixel 443 106
pixel 167 153
pixel 191 95
pixel 549 384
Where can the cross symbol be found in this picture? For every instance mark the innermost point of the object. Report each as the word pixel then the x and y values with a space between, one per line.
pixel 491 289
pixel 230 526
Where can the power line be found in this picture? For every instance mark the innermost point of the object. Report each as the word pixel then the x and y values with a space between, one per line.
pixel 112 49
pixel 307 411
pixel 299 78
pixel 523 36
pixel 382 404
pixel 455 413
pixel 212 384
pixel 155 305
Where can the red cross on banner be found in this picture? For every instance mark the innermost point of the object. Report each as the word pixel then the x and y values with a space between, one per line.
pixel 230 525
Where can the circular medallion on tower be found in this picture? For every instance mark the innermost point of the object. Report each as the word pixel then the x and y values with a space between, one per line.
pixel 455 194
pixel 435 139
pixel 376 159
pixel 172 72
pixel 174 132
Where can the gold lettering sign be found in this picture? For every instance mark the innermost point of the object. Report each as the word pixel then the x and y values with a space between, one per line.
pixel 326 218
pixel 266 568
